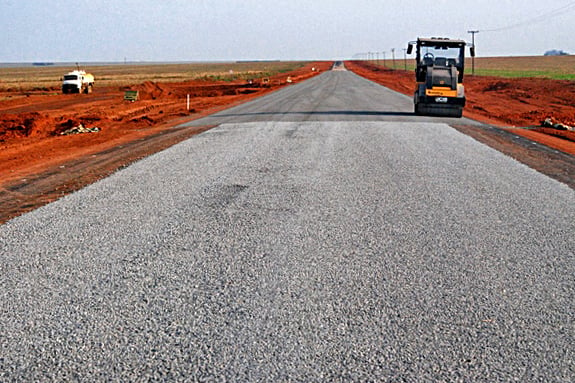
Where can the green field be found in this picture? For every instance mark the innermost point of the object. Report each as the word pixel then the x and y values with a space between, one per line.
pixel 48 77
pixel 554 67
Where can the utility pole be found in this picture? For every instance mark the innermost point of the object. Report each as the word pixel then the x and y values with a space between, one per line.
pixel 405 58
pixel 393 56
pixel 473 44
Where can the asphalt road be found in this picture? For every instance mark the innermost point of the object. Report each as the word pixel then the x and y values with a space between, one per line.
pixel 321 233
pixel 333 96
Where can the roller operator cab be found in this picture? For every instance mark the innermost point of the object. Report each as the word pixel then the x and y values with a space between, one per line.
pixel 440 63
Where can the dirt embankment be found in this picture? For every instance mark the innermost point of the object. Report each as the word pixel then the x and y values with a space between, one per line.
pixel 509 103
pixel 39 164
pixel 32 123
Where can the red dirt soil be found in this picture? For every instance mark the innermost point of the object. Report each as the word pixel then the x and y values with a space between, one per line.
pixel 38 165
pixel 31 123
pixel 504 102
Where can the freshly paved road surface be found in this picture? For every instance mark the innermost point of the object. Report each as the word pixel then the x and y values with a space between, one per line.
pixel 321 233
pixel 334 96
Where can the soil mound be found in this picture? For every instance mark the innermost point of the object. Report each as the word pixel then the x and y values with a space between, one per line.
pixel 151 91
pixel 22 125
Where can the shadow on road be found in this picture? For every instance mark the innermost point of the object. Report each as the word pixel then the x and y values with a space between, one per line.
pixel 322 113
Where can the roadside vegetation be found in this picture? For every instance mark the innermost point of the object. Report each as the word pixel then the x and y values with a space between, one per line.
pixel 47 78
pixel 553 67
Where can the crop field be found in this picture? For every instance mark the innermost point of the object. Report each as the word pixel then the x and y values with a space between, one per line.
pixel 554 67
pixel 47 78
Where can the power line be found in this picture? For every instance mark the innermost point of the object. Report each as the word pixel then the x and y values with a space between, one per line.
pixel 543 17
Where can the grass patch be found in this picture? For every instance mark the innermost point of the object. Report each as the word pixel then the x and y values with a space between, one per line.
pixel 552 67
pixel 519 73
pixel 120 75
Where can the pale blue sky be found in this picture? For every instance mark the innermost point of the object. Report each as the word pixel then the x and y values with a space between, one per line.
pixel 209 30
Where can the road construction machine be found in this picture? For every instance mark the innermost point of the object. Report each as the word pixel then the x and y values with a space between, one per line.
pixel 440 63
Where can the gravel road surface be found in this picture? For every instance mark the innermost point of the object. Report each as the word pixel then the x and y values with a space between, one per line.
pixel 330 237
pixel 333 96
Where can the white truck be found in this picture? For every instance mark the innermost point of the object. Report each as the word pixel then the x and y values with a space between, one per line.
pixel 77 81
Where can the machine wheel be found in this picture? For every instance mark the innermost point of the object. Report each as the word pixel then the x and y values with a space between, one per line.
pixel 416 110
pixel 458 113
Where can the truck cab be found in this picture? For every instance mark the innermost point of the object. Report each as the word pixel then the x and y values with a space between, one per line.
pixel 77 81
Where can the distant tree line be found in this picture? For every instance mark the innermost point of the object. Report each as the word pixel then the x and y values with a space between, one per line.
pixel 555 52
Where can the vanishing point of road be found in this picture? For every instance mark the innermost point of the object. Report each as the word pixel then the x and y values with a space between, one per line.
pixel 320 233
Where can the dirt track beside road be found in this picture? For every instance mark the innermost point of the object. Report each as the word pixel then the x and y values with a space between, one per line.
pixel 38 165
